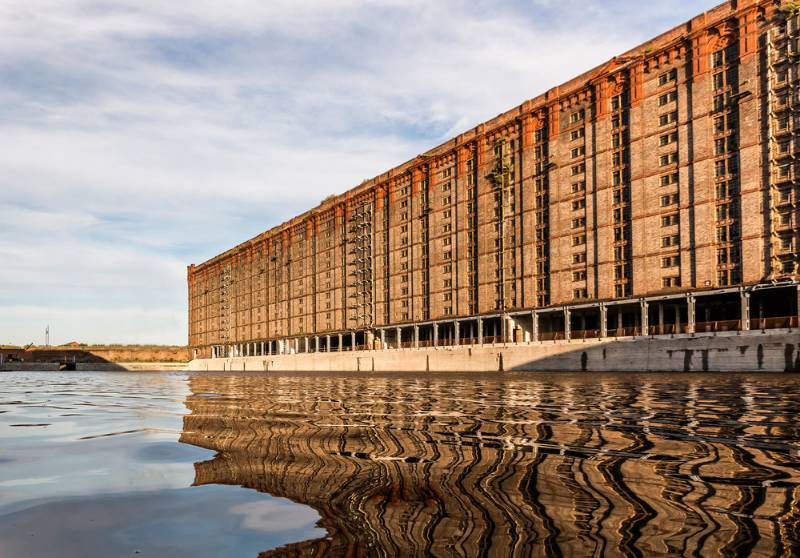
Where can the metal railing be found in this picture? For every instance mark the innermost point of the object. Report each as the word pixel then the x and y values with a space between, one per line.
pixel 785 322
pixel 585 334
pixel 715 326
pixel 718 326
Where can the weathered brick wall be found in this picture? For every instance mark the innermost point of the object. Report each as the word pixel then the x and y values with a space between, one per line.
pixel 569 196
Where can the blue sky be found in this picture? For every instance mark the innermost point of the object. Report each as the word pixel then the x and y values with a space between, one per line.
pixel 138 136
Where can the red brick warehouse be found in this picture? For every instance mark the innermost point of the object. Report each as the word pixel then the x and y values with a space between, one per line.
pixel 655 194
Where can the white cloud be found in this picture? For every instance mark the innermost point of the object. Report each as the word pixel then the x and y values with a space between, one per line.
pixel 138 136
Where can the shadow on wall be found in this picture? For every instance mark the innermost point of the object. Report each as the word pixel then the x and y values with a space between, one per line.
pixel 774 353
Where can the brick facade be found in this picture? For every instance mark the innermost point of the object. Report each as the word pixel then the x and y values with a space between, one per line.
pixel 669 168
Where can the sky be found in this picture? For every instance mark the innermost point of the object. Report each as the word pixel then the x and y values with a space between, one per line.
pixel 139 136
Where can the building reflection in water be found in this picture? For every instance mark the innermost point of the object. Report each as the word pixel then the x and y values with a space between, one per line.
pixel 514 465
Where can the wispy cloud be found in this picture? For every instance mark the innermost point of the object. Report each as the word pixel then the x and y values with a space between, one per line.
pixel 139 136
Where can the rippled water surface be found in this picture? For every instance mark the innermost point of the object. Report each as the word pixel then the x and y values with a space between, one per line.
pixel 397 465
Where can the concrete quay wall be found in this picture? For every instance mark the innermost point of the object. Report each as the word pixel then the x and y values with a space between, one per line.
pixel 752 351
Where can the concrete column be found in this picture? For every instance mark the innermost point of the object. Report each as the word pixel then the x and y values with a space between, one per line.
pixel 416 337
pixel 567 325
pixel 645 316
pixel 399 338
pixel 352 340
pixel 798 304
pixel 383 339
pixel 744 298
pixel 339 348
pixel 619 319
pixel 327 343
pixel 535 326
pixel 435 334
pixel 690 313
pixel 661 318
pixel 603 320
pixel 316 343
pixel 677 318
pixel 306 344
pixel 480 331
pixel 456 333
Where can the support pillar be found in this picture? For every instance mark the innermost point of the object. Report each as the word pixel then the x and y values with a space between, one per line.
pixel 416 337
pixel 435 334
pixel 690 307
pixel 677 318
pixel 399 338
pixel 619 320
pixel 567 325
pixel 797 308
pixel 327 343
pixel 661 318
pixel 644 307
pixel 535 326
pixel 383 339
pixel 603 320
pixel 352 340
pixel 456 333
pixel 480 331
pixel 339 348
pixel 744 298
pixel 306 343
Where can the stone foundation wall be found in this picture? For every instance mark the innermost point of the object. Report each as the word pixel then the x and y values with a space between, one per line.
pixel 775 351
